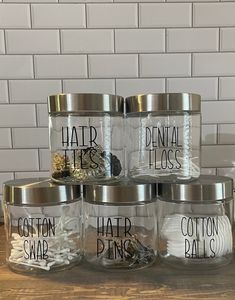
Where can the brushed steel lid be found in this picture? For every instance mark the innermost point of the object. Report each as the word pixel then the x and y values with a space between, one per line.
pixel 120 193
pixel 206 188
pixel 163 102
pixel 72 103
pixel 38 191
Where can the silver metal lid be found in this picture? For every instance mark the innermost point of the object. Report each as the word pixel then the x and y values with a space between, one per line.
pixel 72 103
pixel 206 188
pixel 38 191
pixel 120 193
pixel 163 102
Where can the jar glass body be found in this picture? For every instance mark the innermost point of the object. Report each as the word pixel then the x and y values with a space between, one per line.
pixel 196 234
pixel 120 237
pixel 86 147
pixel 163 146
pixel 43 238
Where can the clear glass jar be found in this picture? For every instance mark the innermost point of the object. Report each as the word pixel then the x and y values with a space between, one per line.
pixel 86 137
pixel 43 224
pixel 120 225
pixel 163 137
pixel 195 222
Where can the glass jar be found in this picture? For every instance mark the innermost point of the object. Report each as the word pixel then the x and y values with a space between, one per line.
pixel 43 225
pixel 195 222
pixel 163 136
pixel 120 225
pixel 86 140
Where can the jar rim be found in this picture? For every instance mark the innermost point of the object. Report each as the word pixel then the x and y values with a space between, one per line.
pixel 38 191
pixel 120 193
pixel 86 102
pixel 206 188
pixel 185 102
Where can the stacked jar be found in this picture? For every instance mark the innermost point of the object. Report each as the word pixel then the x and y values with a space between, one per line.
pixel 157 203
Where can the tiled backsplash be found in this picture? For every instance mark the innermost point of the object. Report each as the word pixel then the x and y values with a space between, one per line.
pixel 120 46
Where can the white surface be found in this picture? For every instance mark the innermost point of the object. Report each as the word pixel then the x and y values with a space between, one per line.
pixel 30 41
pixel 213 64
pixel 30 137
pixel 139 40
pixel 165 15
pixel 60 66
pixel 87 41
pixel 33 91
pixel 227 41
pixel 206 87
pixel 89 86
pixel 227 88
pixel 15 115
pixel 193 40
pixel 209 134
pixel 129 87
pixel 113 65
pixel 111 15
pixel 2 45
pixel 3 91
pixel 218 112
pixel 214 14
pixel 14 16
pixel 58 16
pixel 16 66
pixel 163 65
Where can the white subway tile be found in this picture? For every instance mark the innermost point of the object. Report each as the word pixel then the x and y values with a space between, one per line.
pixel 38 174
pixel 163 65
pixel 165 15
pixel 218 156
pixel 58 15
pixel 32 1
pixel 87 41
pixel 30 137
pixel 230 172
pixel 87 1
pixel 227 40
pixel 214 14
pixel 14 115
pixel 113 65
pixel 194 0
pixel 139 40
pixel 3 91
pixel 208 171
pixel 5 138
pixel 90 86
pixel 213 64
pixel 2 42
pixel 218 112
pixel 139 1
pixel 209 134
pixel 44 159
pixel 32 41
pixel 226 133
pixel 3 178
pixel 33 91
pixel 16 66
pixel 60 66
pixel 42 115
pixel 227 88
pixel 192 40
pixel 112 15
pixel 14 16
pixel 206 87
pixel 128 87
pixel 18 160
